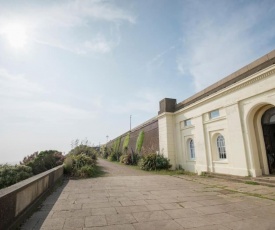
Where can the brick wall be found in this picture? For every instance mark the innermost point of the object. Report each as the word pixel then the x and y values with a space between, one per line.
pixel 151 137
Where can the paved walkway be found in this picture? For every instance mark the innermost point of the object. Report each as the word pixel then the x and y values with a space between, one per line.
pixel 126 198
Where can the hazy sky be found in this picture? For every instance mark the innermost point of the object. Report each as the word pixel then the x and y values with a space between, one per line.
pixel 79 68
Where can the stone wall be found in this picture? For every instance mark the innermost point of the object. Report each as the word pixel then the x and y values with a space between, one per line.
pixel 151 137
pixel 17 200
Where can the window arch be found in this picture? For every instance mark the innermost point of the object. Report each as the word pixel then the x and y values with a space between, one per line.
pixel 221 146
pixel 192 149
pixel 272 119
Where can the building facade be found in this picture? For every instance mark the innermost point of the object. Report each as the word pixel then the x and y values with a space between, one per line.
pixel 227 128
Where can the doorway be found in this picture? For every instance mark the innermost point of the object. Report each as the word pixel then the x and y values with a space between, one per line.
pixel 268 125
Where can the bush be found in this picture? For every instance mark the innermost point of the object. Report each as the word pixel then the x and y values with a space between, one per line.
pixel 12 174
pixel 43 161
pixel 105 154
pixel 154 162
pixel 79 165
pixel 68 165
pixel 129 159
pixel 84 149
pixel 114 156
pixel 86 171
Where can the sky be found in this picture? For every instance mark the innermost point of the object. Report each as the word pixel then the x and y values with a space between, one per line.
pixel 77 69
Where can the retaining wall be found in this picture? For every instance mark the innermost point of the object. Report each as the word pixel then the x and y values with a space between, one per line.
pixel 151 137
pixel 18 199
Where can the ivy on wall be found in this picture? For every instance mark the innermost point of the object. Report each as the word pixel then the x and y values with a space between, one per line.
pixel 139 142
pixel 116 144
pixel 126 142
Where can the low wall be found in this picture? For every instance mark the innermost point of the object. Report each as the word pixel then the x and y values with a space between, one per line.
pixel 151 137
pixel 17 200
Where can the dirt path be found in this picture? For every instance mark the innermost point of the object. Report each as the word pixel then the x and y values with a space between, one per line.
pixel 113 169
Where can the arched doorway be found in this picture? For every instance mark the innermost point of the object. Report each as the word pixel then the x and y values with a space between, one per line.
pixel 268 125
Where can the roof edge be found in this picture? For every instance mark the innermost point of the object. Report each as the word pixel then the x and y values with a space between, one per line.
pixel 254 67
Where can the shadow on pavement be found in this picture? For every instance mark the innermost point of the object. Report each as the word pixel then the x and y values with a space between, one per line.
pixel 36 220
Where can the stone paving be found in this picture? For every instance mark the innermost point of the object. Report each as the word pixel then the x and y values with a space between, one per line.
pixel 132 199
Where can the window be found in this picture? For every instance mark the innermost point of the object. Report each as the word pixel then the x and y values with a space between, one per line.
pixel 187 122
pixel 192 149
pixel 272 119
pixel 214 114
pixel 221 147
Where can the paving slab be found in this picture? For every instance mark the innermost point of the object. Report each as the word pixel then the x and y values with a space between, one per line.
pixel 126 198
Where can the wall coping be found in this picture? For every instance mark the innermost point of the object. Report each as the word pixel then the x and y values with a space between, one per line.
pixel 26 182
pixel 246 71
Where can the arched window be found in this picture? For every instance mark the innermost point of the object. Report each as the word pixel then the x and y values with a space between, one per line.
pixel 221 147
pixel 272 119
pixel 192 149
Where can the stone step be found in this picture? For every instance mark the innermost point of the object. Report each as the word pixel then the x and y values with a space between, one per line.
pixel 263 180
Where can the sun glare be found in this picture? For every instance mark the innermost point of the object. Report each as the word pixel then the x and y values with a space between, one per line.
pixel 16 35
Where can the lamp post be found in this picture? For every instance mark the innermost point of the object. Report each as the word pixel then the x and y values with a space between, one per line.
pixel 107 138
pixel 130 121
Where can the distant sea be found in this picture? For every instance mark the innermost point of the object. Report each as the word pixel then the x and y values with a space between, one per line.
pixel 10 163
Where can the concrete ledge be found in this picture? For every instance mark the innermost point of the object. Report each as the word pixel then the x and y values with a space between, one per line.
pixel 16 200
pixel 264 180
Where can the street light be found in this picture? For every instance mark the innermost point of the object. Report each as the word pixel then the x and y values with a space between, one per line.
pixel 107 138
pixel 130 121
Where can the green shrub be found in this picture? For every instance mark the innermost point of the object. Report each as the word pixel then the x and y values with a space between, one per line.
pixel 84 149
pixel 129 159
pixel 154 162
pixel 43 161
pixel 162 162
pixel 114 156
pixel 105 153
pixel 80 165
pixel 68 165
pixel 139 142
pixel 12 174
pixel 86 171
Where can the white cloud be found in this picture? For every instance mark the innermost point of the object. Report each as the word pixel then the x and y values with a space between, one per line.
pixel 13 85
pixel 23 101
pixel 220 39
pixel 158 60
pixel 144 101
pixel 97 45
pixel 58 25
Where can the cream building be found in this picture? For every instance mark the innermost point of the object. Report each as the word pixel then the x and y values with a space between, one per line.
pixel 227 128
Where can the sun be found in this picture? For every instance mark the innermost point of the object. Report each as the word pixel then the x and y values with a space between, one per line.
pixel 16 34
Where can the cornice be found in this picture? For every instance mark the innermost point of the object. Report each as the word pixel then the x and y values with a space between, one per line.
pixel 234 87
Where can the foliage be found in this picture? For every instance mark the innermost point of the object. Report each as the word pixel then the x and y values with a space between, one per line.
pixel 251 182
pixel 114 156
pixel 154 162
pixel 11 174
pixel 43 161
pixel 116 144
pixel 80 165
pixel 139 142
pixel 84 149
pixel 105 153
pixel 162 162
pixel 126 142
pixel 85 171
pixel 129 159
pixel 29 158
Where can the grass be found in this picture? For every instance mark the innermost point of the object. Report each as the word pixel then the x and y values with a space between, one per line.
pixel 251 182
